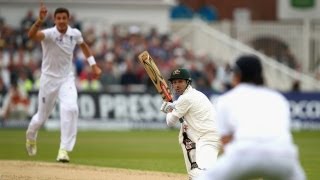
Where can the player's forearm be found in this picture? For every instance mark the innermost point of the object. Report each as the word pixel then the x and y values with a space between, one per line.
pixel 87 53
pixel 91 60
pixel 171 119
pixel 86 50
pixel 34 28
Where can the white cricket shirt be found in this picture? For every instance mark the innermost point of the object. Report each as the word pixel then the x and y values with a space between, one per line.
pixel 254 114
pixel 197 111
pixel 58 51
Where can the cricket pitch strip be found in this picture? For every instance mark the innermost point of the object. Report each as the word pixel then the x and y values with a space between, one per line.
pixel 30 170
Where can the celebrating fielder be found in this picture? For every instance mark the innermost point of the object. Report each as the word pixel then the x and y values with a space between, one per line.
pixel 57 79
pixel 254 124
pixel 197 137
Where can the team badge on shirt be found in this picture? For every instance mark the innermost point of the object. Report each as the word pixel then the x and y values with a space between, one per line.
pixel 59 39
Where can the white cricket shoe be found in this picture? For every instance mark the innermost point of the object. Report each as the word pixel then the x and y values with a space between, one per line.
pixel 63 156
pixel 31 146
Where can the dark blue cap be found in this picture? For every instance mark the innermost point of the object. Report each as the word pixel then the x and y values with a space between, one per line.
pixel 250 68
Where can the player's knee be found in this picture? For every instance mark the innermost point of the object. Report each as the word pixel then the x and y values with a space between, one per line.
pixel 37 123
pixel 70 109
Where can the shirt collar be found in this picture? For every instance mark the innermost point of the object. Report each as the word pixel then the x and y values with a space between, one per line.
pixel 247 85
pixel 68 30
pixel 189 88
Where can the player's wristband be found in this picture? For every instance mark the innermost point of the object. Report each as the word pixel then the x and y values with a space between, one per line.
pixel 91 60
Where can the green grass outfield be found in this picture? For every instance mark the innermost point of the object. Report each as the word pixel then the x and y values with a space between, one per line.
pixel 143 150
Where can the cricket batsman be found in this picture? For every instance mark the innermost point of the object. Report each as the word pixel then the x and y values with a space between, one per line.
pixel 198 137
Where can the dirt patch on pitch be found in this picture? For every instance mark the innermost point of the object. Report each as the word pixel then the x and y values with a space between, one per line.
pixel 27 170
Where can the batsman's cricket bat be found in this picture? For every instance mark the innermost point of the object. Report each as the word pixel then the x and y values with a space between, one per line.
pixel 155 76
pixel 163 89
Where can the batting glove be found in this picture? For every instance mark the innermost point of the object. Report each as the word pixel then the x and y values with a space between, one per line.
pixel 167 107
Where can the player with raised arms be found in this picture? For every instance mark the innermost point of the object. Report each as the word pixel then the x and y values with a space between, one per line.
pixel 57 81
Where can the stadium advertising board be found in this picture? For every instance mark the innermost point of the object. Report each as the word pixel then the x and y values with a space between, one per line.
pixel 305 110
pixel 119 111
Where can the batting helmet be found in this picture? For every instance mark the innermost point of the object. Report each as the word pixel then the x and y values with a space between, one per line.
pixel 180 74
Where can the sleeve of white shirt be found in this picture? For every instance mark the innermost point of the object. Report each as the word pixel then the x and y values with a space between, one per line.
pixel 79 38
pixel 171 119
pixel 182 105
pixel 223 119
pixel 47 33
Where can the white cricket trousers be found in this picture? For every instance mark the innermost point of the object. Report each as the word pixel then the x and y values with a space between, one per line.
pixel 274 163
pixel 207 149
pixel 51 89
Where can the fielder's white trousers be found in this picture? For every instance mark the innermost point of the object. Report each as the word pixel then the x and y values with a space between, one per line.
pixel 63 90
pixel 269 163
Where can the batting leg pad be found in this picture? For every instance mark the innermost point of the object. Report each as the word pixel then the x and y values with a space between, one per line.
pixel 191 150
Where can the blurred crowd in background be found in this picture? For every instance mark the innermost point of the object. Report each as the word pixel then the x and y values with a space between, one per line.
pixel 116 52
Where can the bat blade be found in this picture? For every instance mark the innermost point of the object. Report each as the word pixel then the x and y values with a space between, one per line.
pixel 155 75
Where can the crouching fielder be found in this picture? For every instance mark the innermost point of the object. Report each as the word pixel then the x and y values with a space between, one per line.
pixel 197 137
pixel 253 122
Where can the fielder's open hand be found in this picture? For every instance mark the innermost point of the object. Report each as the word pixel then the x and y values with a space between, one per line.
pixel 43 11
pixel 96 71
pixel 167 107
